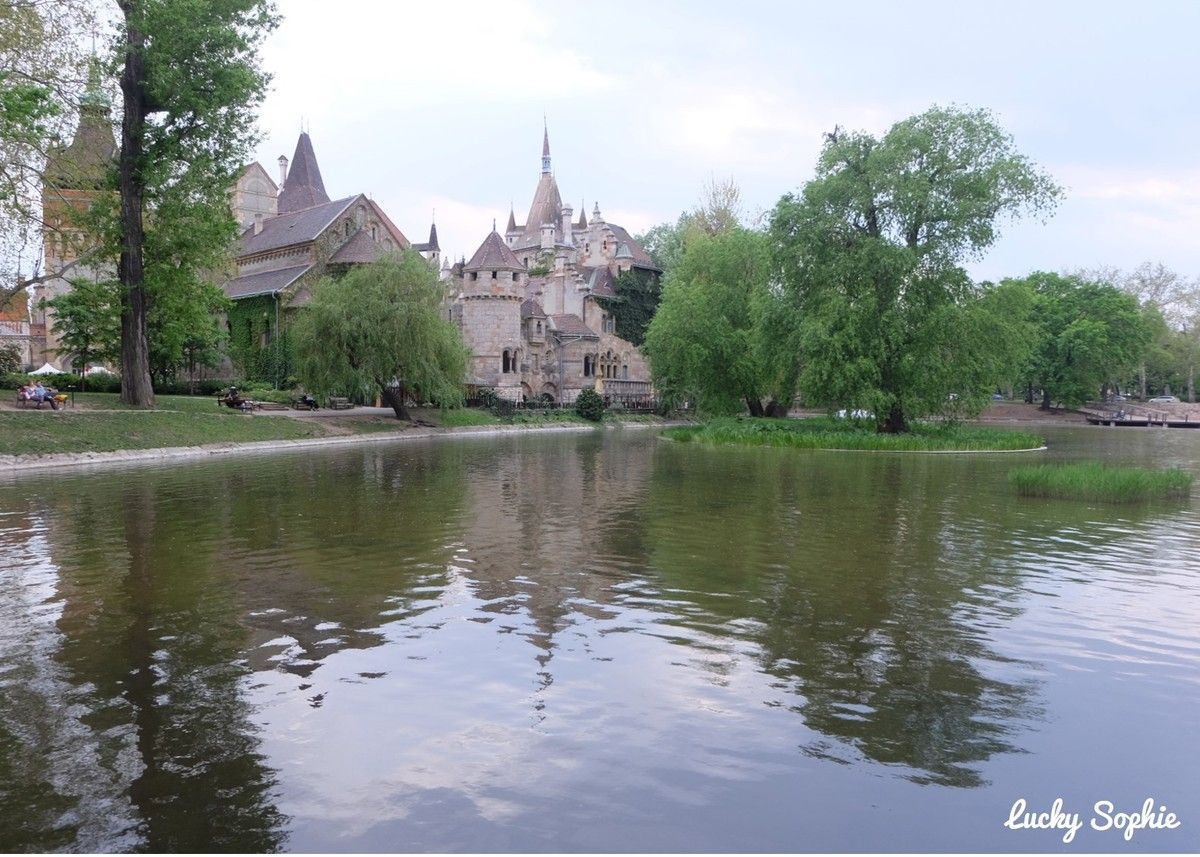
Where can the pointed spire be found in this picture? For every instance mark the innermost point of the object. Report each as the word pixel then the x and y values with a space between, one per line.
pixel 433 242
pixel 512 219
pixel 582 217
pixel 94 97
pixel 303 187
pixel 545 147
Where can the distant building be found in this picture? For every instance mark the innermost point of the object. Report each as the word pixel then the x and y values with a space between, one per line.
pixel 293 234
pixel 528 303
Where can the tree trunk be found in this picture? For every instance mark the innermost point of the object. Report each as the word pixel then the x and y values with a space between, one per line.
pixel 755 406
pixel 1142 381
pixel 136 388
pixel 393 397
pixel 1045 400
pixel 1029 395
pixel 1192 382
pixel 895 422
pixel 776 409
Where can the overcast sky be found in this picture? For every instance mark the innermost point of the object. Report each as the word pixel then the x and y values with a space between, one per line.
pixel 439 106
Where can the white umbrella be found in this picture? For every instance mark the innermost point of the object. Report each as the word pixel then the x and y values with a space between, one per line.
pixel 46 369
pixel 97 370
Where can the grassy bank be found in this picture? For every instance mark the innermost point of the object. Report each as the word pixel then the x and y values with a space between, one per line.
pixel 830 433
pixel 1094 480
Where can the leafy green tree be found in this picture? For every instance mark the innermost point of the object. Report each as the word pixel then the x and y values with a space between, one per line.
pixel 10 359
pixel 183 328
pixel 41 78
pixel 871 252
pixel 1088 334
pixel 381 328
pixel 190 82
pixel 703 342
pixel 87 322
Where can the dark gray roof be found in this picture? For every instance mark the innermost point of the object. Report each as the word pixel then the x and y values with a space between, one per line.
pixel 641 258
pixel 303 187
pixel 264 282
pixel 572 325
pixel 546 208
pixel 600 281
pixel 297 227
pixel 84 164
pixel 532 309
pixel 432 243
pixel 493 254
pixel 360 249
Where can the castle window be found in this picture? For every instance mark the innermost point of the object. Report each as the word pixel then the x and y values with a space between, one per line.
pixel 587 366
pixel 539 327
pixel 535 363
pixel 505 363
pixel 373 236
pixel 474 275
pixel 624 373
pixel 493 275
pixel 346 228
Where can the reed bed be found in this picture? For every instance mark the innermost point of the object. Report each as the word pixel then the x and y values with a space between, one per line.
pixel 1097 481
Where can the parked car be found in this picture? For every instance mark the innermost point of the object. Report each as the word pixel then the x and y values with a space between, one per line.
pixel 1163 400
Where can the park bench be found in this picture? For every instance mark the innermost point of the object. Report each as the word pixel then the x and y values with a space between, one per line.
pixel 340 403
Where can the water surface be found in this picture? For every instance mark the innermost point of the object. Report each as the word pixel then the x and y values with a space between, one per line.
pixel 601 642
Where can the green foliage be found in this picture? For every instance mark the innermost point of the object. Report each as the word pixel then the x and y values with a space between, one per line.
pixel 703 344
pixel 380 327
pixel 871 254
pixel 488 398
pixel 1097 481
pixel 638 295
pixel 458 417
pixel 10 359
pixel 1087 334
pixel 590 405
pixel 87 321
pixel 832 433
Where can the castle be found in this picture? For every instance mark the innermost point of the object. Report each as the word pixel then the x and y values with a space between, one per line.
pixel 530 304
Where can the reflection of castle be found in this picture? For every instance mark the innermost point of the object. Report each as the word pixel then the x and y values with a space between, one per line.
pixel 531 308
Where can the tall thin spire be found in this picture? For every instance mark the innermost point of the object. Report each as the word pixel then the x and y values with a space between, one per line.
pixel 545 147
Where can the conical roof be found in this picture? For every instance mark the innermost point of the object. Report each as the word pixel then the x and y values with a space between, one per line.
pixel 303 187
pixel 84 164
pixel 494 255
pixel 512 221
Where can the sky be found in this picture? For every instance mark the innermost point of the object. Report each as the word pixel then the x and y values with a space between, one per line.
pixel 439 107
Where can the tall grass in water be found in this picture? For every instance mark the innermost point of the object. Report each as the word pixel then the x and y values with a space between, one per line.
pixel 831 433
pixel 1095 480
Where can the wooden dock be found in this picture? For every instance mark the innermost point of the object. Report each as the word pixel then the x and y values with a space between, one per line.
pixel 1146 420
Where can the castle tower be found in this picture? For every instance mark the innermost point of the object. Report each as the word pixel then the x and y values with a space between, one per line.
pixel 492 288
pixel 75 176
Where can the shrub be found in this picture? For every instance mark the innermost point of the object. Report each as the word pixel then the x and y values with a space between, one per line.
pixel 10 359
pixel 1095 480
pixel 590 405
pixel 487 398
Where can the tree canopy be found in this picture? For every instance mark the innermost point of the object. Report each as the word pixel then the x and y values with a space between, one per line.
pixel 871 253
pixel 380 328
pixel 1088 334
pixel 703 344
pixel 87 322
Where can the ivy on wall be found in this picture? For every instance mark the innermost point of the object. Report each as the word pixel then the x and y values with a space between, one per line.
pixel 251 324
pixel 639 292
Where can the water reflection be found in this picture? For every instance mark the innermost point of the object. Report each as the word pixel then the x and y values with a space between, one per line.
pixel 500 644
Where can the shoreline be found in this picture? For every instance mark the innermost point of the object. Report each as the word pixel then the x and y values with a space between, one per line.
pixel 15 465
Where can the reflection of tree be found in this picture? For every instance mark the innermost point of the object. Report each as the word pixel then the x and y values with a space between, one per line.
pixel 172 581
pixel 864 598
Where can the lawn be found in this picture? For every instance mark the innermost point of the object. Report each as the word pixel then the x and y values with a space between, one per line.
pixel 831 433
pixel 1095 480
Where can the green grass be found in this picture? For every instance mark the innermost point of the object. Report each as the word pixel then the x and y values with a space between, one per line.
pixel 185 404
pixel 455 417
pixel 49 432
pixel 830 433
pixel 1095 480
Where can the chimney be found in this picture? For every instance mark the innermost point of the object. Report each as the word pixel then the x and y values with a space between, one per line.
pixel 258 222
pixel 567 225
pixel 283 162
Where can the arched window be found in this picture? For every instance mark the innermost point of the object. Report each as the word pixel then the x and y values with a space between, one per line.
pixel 539 327
pixel 624 373
pixel 505 363
pixel 587 366
pixel 493 275
pixel 346 228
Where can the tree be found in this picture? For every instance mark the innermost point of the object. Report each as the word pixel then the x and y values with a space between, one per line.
pixel 702 344
pixel 719 210
pixel 183 329
pixel 1087 334
pixel 41 78
pixel 871 252
pixel 190 81
pixel 381 328
pixel 87 323
pixel 10 359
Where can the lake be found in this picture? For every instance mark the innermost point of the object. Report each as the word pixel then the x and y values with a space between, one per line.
pixel 598 641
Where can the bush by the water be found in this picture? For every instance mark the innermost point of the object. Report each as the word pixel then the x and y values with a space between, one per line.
pixel 831 433
pixel 1095 480
pixel 590 405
